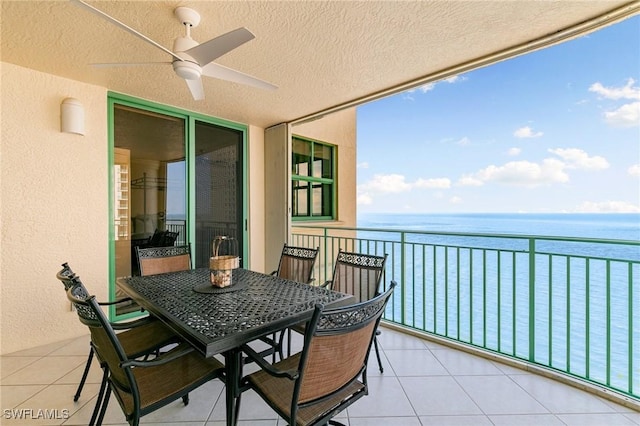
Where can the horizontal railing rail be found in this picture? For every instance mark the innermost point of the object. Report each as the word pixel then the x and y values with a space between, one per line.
pixel 568 304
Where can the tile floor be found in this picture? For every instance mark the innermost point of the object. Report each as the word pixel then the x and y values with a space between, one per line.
pixel 424 383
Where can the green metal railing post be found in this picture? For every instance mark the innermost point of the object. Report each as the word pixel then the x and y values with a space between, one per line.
pixel 532 299
pixel 403 284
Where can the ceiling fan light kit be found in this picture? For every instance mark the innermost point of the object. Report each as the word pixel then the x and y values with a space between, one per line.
pixel 190 59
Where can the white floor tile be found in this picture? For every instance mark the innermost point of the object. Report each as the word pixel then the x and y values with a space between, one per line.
pixel 391 339
pixel 12 396
pixel 559 398
pixel 596 420
pixel 413 362
pixel 44 371
pixel 384 421
pixel 455 420
pixel 460 363
pixel 526 420
pixel 386 399
pixel 438 396
pixel 12 364
pixel 499 395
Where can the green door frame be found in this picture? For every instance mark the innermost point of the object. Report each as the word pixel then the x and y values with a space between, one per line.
pixel 190 118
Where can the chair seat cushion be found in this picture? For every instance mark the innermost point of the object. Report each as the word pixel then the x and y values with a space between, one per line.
pixel 170 381
pixel 146 338
pixel 279 390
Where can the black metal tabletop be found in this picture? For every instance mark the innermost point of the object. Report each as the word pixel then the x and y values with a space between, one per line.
pixel 256 305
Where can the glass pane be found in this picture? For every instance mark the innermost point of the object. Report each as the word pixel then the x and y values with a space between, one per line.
pixel 321 200
pixel 149 183
pixel 219 183
pixel 322 161
pixel 301 157
pixel 300 198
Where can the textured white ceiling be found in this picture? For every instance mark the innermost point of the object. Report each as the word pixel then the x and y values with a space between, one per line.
pixel 320 53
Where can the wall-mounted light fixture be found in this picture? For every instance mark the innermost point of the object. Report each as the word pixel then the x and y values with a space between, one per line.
pixel 72 116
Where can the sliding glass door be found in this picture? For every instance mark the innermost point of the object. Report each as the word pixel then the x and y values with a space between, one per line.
pixel 218 187
pixel 173 173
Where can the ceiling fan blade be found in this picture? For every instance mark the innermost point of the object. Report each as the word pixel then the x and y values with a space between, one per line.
pixel 196 88
pixel 123 26
pixel 216 47
pixel 223 73
pixel 129 64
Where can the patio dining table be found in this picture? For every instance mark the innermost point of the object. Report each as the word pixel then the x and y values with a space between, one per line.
pixel 220 320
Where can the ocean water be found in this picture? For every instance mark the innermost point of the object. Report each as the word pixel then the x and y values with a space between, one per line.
pixel 623 226
pixel 585 303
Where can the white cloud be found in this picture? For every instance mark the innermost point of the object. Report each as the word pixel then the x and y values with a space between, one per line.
pixel 634 170
pixel 392 183
pixel 464 141
pixel 628 91
pixel 578 159
pixel 427 87
pixel 363 165
pixel 627 115
pixel 513 152
pixel 608 207
pixel 455 200
pixel 519 173
pixel 526 132
pixel 470 180
pixel 438 183
pixel 529 174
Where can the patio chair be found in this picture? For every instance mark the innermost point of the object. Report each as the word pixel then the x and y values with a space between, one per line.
pixel 359 275
pixel 330 374
pixel 139 337
pixel 159 260
pixel 140 386
pixel 296 264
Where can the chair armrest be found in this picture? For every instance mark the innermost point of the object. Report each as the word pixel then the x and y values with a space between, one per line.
pixel 115 302
pixel 274 273
pixel 327 283
pixel 132 324
pixel 172 355
pixel 289 374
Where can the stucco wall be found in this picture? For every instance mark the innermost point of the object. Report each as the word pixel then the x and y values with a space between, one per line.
pixel 338 129
pixel 256 199
pixel 53 188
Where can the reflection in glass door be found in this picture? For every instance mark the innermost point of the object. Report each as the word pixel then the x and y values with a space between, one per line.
pixel 150 184
pixel 218 187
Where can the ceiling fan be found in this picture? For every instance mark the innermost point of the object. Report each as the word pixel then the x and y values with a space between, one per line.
pixel 192 60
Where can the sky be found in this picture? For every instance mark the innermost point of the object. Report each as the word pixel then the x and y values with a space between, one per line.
pixel 557 130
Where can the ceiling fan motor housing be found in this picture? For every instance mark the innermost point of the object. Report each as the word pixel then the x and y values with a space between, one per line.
pixel 188 69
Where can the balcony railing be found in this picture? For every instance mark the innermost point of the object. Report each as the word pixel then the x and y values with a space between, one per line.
pixel 568 304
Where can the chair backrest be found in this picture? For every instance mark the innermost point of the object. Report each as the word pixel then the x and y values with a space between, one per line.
pixel 337 345
pixel 103 337
pixel 66 275
pixel 157 239
pixel 358 274
pixel 159 260
pixel 170 238
pixel 296 263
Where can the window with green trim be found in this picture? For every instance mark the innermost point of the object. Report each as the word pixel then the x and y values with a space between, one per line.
pixel 313 179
